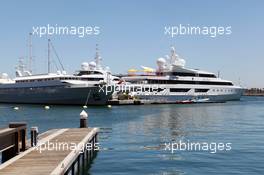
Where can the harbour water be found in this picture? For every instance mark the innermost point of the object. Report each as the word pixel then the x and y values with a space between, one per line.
pixel 132 138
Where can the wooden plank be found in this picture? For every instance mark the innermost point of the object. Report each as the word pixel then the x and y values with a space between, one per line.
pixel 54 161
pixel 44 140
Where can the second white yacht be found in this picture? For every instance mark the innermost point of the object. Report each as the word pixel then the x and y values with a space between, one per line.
pixel 172 82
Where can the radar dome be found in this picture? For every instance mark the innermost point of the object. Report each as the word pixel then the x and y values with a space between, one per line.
pixel 85 66
pixel 161 63
pixel 92 65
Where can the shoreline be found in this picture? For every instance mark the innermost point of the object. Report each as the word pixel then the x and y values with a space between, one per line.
pixel 254 92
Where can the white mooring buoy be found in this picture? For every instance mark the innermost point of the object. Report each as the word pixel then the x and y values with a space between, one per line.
pixel 109 106
pixel 84 107
pixel 16 108
pixel 47 107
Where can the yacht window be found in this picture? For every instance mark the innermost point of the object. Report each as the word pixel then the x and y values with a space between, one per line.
pixel 92 79
pixel 89 73
pixel 201 90
pixel 189 74
pixel 183 74
pixel 207 75
pixel 189 82
pixel 179 90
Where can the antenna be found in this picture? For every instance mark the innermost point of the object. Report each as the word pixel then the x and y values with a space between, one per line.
pixel 30 53
pixel 48 55
pixel 218 74
pixel 21 65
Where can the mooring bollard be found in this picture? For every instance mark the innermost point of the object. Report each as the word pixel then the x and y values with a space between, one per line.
pixel 83 119
pixel 34 136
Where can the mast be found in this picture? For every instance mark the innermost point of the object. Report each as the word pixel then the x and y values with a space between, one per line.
pixel 30 53
pixel 21 65
pixel 98 58
pixel 48 55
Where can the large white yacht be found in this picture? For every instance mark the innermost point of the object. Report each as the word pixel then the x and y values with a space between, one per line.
pixel 172 82
pixel 82 88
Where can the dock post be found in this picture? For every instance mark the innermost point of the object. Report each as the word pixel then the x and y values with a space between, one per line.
pixel 23 135
pixel 90 151
pixel 96 138
pixel 34 136
pixel 79 164
pixel 83 159
pixel 83 119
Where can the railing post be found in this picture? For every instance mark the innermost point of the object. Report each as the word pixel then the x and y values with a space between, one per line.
pixel 34 136
pixel 23 135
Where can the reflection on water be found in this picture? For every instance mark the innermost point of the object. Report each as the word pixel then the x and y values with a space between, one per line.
pixel 132 137
pixel 139 140
pixel 174 121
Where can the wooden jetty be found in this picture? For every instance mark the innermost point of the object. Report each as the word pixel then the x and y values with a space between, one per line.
pixel 58 151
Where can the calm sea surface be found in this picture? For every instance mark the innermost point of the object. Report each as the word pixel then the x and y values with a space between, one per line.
pixel 133 138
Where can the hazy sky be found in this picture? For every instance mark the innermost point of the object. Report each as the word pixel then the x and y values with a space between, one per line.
pixel 132 34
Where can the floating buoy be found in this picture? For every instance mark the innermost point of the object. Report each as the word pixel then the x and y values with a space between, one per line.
pixel 47 107
pixel 109 106
pixel 85 107
pixel 16 108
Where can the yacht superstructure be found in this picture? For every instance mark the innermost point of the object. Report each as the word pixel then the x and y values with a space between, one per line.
pixel 173 83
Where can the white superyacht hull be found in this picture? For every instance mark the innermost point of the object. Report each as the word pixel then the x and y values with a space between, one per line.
pixel 162 94
pixel 189 98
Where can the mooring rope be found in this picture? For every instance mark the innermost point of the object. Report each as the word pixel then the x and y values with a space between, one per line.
pixel 88 96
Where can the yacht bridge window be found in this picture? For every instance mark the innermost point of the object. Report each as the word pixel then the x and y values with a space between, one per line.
pixel 89 73
pixel 190 74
